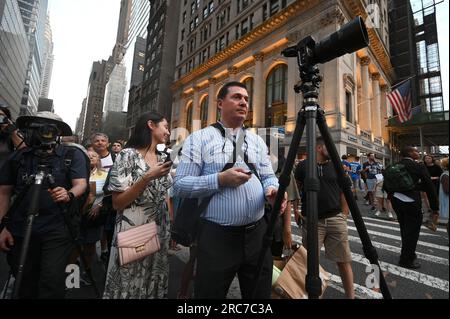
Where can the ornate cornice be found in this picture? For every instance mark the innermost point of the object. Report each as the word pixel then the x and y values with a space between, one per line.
pixel 258 56
pixel 261 31
pixel 365 60
pixel 233 70
pixel 356 8
pixel 376 76
pixel 333 16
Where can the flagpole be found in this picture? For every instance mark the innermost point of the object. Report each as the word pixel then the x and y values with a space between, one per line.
pixel 400 83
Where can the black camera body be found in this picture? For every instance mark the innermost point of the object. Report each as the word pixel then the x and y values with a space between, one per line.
pixel 41 135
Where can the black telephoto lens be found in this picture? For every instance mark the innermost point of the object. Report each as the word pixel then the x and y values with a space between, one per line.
pixel 350 38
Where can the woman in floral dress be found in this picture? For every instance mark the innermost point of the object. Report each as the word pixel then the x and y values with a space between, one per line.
pixel 139 181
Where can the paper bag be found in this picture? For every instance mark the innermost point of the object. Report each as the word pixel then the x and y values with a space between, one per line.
pixel 291 282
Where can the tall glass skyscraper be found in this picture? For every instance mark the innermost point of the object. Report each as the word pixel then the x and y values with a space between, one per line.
pixel 133 20
pixel 14 54
pixel 34 16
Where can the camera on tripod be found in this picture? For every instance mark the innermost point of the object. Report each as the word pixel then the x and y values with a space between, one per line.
pixel 350 38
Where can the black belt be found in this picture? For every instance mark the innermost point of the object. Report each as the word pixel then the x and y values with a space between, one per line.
pixel 237 229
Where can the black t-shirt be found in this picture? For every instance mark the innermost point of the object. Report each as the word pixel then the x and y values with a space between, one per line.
pixel 434 170
pixel 374 169
pixel 50 216
pixel 329 196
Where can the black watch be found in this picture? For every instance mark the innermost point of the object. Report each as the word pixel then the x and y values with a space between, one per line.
pixel 71 195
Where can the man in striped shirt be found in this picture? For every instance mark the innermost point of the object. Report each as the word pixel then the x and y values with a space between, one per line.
pixel 232 226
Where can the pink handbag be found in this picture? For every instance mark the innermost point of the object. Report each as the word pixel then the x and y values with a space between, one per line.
pixel 137 242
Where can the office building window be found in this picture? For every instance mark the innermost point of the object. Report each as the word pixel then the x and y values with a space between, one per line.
pixel 204 112
pixel 249 84
pixel 348 107
pixel 274 6
pixel 276 93
pixel 189 117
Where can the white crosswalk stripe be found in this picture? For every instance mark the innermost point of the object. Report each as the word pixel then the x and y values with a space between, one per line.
pixel 393 228
pixel 439 230
pixel 430 251
pixel 399 271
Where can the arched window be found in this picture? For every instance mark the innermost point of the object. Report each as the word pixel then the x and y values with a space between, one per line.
pixel 249 84
pixel 189 110
pixel 204 112
pixel 276 96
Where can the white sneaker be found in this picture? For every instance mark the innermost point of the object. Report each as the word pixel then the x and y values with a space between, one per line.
pixel 390 215
pixel 377 213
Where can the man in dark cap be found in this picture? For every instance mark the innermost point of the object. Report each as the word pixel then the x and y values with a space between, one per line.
pixel 51 242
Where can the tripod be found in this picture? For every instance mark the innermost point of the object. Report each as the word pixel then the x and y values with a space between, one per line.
pixel 309 115
pixel 34 186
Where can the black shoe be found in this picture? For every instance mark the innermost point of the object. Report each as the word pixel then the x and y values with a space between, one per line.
pixel 410 265
pixel 85 280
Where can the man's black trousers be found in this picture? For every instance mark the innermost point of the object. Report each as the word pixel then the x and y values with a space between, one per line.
pixel 223 252
pixel 410 217
pixel 44 272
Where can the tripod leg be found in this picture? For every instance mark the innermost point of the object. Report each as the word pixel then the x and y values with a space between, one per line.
pixel 313 283
pixel 284 181
pixel 369 251
pixel 34 209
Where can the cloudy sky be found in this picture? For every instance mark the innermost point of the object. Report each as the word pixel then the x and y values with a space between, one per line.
pixel 84 31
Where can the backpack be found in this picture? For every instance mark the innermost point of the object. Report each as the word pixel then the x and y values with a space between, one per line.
pixel 72 210
pixel 397 179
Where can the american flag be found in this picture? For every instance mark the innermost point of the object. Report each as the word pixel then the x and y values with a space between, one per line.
pixel 400 100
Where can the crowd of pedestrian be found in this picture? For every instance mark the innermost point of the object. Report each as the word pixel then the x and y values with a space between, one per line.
pixel 119 187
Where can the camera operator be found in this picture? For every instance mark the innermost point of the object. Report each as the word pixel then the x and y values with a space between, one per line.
pixel 10 140
pixel 51 242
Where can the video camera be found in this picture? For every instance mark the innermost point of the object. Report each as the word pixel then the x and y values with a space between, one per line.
pixel 43 131
pixel 41 135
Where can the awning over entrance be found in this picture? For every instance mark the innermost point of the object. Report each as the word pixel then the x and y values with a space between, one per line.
pixel 434 127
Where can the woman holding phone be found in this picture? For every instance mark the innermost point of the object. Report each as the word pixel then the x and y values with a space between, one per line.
pixel 139 181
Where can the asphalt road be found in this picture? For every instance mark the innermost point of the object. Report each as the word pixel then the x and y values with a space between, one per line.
pixel 428 282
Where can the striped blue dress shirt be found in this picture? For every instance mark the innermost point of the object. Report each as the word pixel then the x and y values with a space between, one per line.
pixel 204 155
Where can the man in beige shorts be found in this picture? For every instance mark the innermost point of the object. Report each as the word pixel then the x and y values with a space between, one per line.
pixel 332 214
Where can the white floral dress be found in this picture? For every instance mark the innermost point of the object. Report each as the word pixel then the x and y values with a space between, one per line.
pixel 146 278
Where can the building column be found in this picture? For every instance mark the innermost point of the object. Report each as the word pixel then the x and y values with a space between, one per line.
pixel 196 121
pixel 182 115
pixel 291 107
pixel 384 113
pixel 376 107
pixel 365 109
pixel 259 108
pixel 212 105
